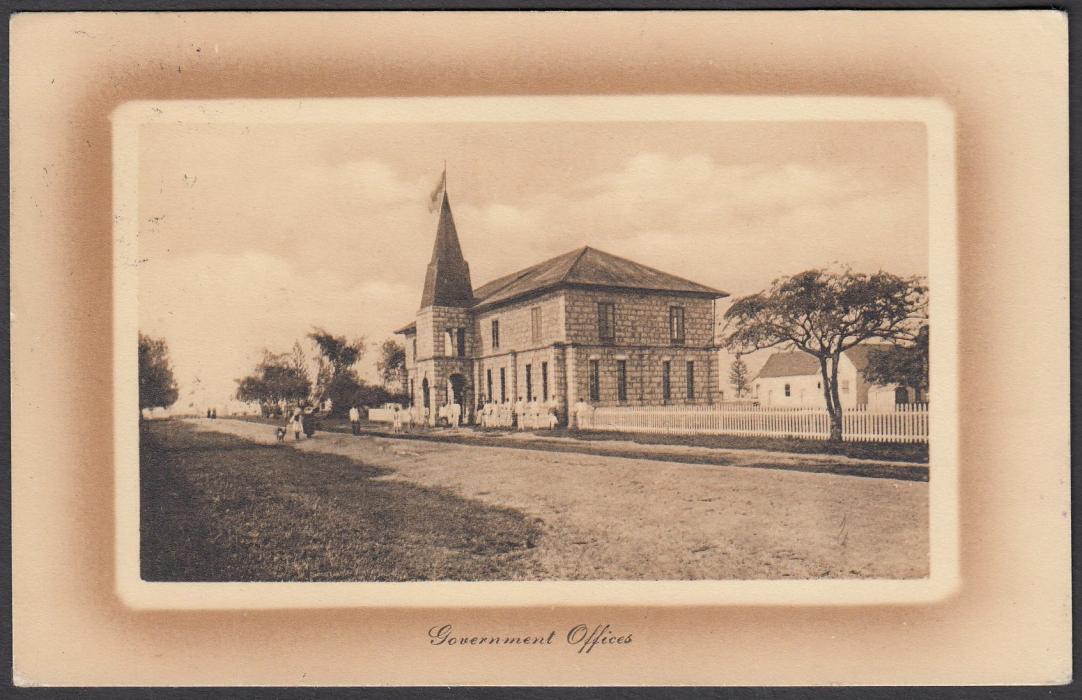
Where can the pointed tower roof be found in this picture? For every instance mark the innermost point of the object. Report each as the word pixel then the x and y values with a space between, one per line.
pixel 447 282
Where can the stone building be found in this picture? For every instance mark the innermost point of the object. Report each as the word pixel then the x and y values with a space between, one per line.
pixel 583 325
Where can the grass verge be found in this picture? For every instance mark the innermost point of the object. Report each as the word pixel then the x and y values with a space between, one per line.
pixel 218 508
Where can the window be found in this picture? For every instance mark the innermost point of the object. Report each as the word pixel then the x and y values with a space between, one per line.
pixel 535 324
pixel 606 322
pixel 424 392
pixel 666 381
pixel 691 380
pixel 503 383
pixel 411 391
pixel 676 325
pixel 529 382
pixel 845 386
pixel 595 380
pixel 414 348
pixel 460 345
pixel 786 389
pixel 448 343
pixel 495 334
pixel 544 381
pixel 621 380
pixel 488 381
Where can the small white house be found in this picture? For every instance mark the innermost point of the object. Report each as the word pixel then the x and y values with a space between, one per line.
pixel 793 379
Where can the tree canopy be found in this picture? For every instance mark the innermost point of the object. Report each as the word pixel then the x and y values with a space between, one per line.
pixel 392 363
pixel 276 378
pixel 738 375
pixel 824 313
pixel 157 386
pixel 905 365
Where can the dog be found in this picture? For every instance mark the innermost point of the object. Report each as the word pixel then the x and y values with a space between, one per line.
pixel 281 433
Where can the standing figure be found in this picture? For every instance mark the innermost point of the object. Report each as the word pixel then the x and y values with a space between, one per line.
pixel 296 422
pixel 355 419
pixel 396 418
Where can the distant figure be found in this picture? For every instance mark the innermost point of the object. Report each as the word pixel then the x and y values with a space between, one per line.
pixel 520 413
pixel 409 417
pixel 213 413
pixel 396 420
pixel 296 422
pixel 355 419
pixel 208 413
pixel 582 413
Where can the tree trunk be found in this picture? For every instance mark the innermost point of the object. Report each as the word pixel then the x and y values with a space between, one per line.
pixel 830 380
pixel 836 423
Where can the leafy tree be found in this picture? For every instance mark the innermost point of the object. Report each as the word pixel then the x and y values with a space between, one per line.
pixel 825 313
pixel 392 363
pixel 157 386
pixel 276 379
pixel 904 365
pixel 335 378
pixel 738 376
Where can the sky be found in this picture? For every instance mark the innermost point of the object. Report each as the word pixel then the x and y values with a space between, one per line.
pixel 251 235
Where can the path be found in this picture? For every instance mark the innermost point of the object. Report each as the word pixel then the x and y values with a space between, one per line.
pixel 608 517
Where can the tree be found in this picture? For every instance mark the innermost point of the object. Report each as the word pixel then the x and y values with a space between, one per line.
pixel 392 363
pixel 335 378
pixel 157 386
pixel 276 379
pixel 738 376
pixel 825 313
pixel 904 365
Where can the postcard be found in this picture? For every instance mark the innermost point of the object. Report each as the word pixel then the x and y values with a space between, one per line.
pixel 528 388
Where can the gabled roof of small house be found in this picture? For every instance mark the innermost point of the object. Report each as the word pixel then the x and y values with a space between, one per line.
pixel 797 363
pixel 587 267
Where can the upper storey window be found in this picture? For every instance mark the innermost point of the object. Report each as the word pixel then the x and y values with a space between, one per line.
pixel 495 334
pixel 676 325
pixel 606 322
pixel 535 324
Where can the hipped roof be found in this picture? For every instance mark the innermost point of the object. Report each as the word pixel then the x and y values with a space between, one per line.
pixel 586 267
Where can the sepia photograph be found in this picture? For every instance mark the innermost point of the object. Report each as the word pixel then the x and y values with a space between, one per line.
pixel 532 349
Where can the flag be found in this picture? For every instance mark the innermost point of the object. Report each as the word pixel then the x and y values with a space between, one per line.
pixel 434 198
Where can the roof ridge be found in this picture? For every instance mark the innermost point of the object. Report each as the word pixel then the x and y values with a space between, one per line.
pixel 574 263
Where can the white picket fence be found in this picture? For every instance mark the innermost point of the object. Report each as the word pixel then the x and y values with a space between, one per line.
pixel 906 423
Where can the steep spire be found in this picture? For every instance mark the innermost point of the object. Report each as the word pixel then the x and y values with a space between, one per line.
pixel 447 282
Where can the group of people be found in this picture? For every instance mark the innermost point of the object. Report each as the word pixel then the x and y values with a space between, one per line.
pixel 525 415
pixel 300 421
pixel 401 419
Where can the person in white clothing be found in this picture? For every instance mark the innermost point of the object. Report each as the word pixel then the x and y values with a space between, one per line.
pixel 355 419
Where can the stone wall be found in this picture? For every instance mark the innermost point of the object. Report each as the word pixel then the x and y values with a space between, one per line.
pixel 641 318
pixel 516 325
pixel 645 372
pixel 433 321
